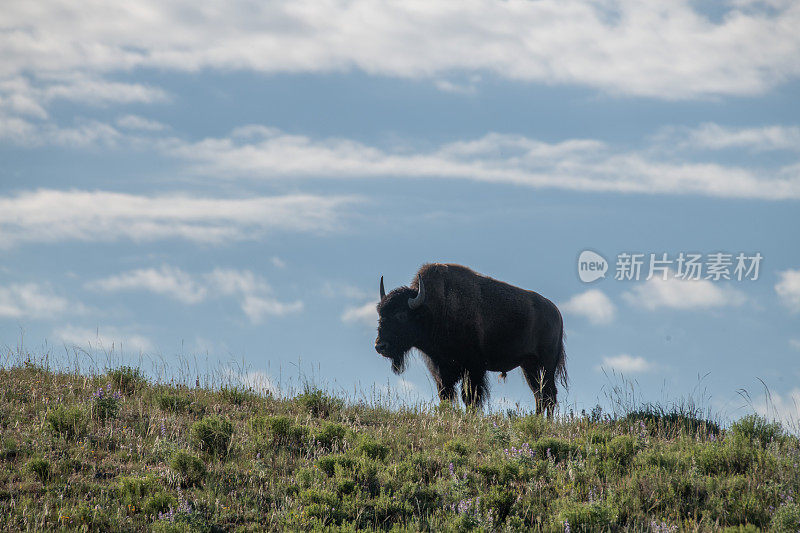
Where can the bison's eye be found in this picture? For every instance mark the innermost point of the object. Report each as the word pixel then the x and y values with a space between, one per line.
pixel 402 316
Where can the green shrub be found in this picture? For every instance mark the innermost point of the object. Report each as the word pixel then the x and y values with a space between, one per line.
pixel 191 469
pixel 756 428
pixel 318 403
pixel 212 435
pixel 531 427
pixel 126 379
pixel 144 494
pixel 330 435
pixel 555 449
pixel 91 518
pixel 601 437
pixel 105 405
pixel 9 449
pixel 426 468
pixel 728 457
pixel 305 478
pixel 669 460
pixel 748 528
pixel 236 395
pixel 458 447
pixel 172 402
pixel 280 431
pixel 421 496
pixel 134 491
pixel 40 468
pixel 587 517
pixel 499 435
pixel 372 448
pixel 499 472
pixel 786 518
pixel 328 463
pixel 69 422
pixel 671 422
pixel 70 465
pixel 621 450
pixel 322 504
pixel 160 502
pixel 499 502
pixel 345 486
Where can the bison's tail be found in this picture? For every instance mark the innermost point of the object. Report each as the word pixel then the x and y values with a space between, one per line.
pixel 561 365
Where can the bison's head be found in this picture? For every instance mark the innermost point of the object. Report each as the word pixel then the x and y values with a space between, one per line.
pixel 399 323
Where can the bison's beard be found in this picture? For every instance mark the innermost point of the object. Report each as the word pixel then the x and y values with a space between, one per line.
pixel 399 364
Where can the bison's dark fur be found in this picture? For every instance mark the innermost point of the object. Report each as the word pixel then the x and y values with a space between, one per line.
pixel 466 324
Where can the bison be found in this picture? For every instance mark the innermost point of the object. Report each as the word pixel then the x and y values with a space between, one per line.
pixel 466 324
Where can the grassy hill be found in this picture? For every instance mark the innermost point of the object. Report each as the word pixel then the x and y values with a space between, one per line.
pixel 113 452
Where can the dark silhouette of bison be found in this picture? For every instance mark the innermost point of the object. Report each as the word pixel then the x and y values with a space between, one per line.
pixel 466 324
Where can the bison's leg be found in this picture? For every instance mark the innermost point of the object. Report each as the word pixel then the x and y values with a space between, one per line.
pixel 446 381
pixel 473 388
pixel 550 392
pixel 543 384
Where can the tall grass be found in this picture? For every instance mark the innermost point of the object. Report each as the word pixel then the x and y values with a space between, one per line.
pixel 171 455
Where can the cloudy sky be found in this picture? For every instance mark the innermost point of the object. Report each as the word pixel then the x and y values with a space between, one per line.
pixel 226 181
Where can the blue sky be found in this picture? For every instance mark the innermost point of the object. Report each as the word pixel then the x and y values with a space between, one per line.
pixel 226 182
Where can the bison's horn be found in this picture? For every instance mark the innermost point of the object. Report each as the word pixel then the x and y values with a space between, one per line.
pixel 418 300
pixel 383 291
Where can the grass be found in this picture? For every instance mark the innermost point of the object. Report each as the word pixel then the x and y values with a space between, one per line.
pixel 114 452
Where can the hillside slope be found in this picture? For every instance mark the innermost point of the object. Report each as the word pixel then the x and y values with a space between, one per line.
pixel 113 452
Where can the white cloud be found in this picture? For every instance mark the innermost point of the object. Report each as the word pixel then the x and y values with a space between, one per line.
pixel 229 281
pixel 166 280
pixel 257 307
pixel 135 122
pixel 83 134
pixel 592 304
pixel 448 86
pixel 674 293
pixel 399 389
pixel 366 314
pixel 93 91
pixel 106 339
pixel 30 96
pixel 263 153
pixel 32 300
pixel 47 215
pixel 716 137
pixel 252 292
pixel 788 289
pixel 257 380
pixel 627 364
pixel 665 50
pixel 277 262
pixel 795 343
pixel 782 407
